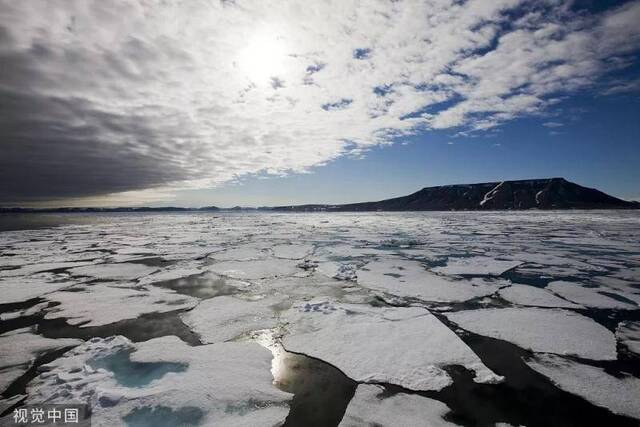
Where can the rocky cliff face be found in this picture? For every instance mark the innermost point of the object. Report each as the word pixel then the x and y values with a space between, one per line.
pixel 550 193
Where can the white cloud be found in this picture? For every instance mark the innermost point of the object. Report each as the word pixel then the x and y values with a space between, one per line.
pixel 215 90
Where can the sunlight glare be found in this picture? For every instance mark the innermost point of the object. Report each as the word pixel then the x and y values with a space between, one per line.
pixel 263 57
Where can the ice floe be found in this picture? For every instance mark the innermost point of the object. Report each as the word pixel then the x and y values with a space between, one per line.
pixel 476 266
pixel 535 297
pixel 23 289
pixel 404 346
pixel 410 279
pixel 258 269
pixel 628 334
pixel 223 318
pixel 121 271
pixel 541 330
pixel 226 384
pixel 101 304
pixel 20 347
pixel 369 407
pixel 589 296
pixel 292 251
pixel 619 394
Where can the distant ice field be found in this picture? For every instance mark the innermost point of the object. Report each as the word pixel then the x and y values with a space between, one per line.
pixel 325 319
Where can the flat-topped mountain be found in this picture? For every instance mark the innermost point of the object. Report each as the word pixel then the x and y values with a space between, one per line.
pixel 549 193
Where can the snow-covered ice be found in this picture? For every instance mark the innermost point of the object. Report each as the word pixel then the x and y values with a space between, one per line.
pixel 223 318
pixel 404 346
pixel 476 266
pixel 541 330
pixel 118 271
pixel 18 350
pixel 227 276
pixel 226 384
pixel 369 407
pixel 535 297
pixel 618 394
pixel 628 334
pixel 101 304
pixel 410 279
pixel 589 296
pixel 258 269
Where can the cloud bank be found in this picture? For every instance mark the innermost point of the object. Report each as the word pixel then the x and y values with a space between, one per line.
pixel 103 97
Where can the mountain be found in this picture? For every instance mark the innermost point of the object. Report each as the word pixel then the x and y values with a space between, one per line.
pixel 549 193
pixel 99 210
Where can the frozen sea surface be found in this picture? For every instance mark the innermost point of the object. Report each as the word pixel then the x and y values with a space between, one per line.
pixel 251 319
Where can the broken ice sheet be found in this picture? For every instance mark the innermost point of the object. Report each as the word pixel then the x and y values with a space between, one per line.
pixel 292 251
pixel 369 407
pixel 120 271
pixel 228 383
pixel 476 266
pixel 20 347
pixel 618 394
pixel 25 288
pixel 405 278
pixel 223 318
pixel 541 330
pixel 101 304
pixel 534 296
pixel 258 269
pixel 628 334
pixel 590 296
pixel 404 346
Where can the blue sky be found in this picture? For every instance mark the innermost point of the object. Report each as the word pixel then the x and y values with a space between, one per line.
pixel 263 103
pixel 598 145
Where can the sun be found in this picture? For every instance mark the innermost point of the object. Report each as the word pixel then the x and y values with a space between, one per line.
pixel 263 57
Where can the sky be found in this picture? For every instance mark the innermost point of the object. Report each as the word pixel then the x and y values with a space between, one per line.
pixel 194 103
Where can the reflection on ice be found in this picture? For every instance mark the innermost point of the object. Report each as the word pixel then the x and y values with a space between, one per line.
pixel 321 391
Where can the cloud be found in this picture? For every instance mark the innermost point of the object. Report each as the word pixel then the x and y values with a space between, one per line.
pixel 108 97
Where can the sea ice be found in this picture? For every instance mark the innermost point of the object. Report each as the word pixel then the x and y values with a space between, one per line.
pixel 589 297
pixel 533 296
pixel 26 288
pixel 404 346
pixel 252 270
pixel 369 407
pixel 228 383
pixel 541 330
pixel 405 278
pixel 20 347
pixel 477 266
pixel 226 317
pixel 122 271
pixel 101 304
pixel 618 394
pixel 628 333
pixel 27 270
pixel 292 251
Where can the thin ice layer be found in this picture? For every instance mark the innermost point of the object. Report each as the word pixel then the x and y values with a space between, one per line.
pixel 223 318
pixel 618 394
pixel 541 330
pixel 102 304
pixel 404 346
pixel 369 407
pixel 226 384
pixel 410 279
